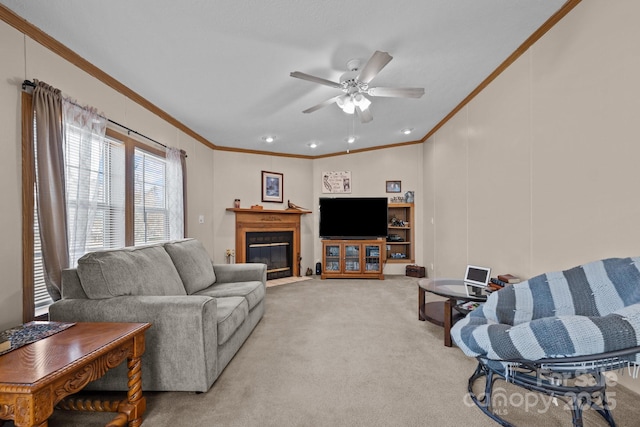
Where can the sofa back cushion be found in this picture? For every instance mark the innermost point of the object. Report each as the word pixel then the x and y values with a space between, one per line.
pixel 146 270
pixel 193 264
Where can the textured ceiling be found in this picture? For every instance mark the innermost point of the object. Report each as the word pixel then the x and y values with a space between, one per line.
pixel 222 67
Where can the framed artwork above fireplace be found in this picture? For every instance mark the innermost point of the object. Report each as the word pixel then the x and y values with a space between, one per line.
pixel 272 186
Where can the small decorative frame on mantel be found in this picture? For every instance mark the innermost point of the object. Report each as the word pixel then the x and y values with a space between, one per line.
pixel 272 185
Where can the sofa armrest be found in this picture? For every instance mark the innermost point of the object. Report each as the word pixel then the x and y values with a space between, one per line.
pixel 181 345
pixel 228 273
pixel 71 286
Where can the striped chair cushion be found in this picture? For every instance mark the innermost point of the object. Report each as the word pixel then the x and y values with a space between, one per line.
pixel 589 309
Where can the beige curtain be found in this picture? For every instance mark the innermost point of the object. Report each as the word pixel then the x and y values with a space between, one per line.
pixel 47 108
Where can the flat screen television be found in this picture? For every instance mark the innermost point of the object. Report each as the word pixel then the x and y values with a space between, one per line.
pixel 353 217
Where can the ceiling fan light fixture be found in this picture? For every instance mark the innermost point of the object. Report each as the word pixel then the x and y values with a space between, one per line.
pixel 361 101
pixel 346 104
pixel 354 84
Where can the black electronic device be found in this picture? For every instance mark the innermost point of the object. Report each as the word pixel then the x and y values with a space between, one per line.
pixel 318 268
pixel 353 217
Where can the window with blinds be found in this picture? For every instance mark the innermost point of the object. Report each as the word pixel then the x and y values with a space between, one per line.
pixel 95 212
pixel 151 216
pixel 96 215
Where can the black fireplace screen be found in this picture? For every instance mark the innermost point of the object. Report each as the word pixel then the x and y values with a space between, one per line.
pixel 273 248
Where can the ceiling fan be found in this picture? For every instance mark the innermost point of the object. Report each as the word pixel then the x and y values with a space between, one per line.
pixel 355 85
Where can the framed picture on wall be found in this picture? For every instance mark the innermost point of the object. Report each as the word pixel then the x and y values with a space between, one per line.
pixel 336 182
pixel 272 184
pixel 394 187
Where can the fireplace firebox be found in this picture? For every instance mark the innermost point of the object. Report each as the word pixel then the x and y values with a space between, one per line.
pixel 274 248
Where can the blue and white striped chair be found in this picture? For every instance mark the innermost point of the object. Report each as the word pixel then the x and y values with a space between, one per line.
pixel 542 333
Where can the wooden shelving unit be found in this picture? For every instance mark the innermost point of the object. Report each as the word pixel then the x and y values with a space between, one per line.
pixel 402 250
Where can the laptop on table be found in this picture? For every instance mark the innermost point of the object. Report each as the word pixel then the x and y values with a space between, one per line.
pixel 476 278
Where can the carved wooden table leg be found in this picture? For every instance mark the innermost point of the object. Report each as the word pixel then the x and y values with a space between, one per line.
pixel 136 404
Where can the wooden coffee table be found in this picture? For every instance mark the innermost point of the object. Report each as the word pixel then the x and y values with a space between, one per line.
pixel 36 377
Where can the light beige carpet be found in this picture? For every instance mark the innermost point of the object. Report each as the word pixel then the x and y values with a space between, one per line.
pixel 347 353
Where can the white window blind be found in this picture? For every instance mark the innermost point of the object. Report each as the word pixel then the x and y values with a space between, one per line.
pixel 150 201
pixel 41 296
pixel 95 210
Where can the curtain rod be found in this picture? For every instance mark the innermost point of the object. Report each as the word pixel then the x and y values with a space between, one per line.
pixel 32 84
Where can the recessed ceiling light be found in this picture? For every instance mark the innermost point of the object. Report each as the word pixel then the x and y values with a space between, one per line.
pixel 312 145
pixel 406 131
pixel 350 139
pixel 269 139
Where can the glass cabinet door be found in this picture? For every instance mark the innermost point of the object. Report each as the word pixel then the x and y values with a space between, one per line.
pixel 332 258
pixel 372 258
pixel 351 258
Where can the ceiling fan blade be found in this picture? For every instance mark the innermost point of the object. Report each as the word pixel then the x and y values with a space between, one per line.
pixel 373 66
pixel 399 92
pixel 322 104
pixel 365 115
pixel 303 76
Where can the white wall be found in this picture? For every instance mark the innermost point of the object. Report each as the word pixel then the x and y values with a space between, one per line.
pixel 540 171
pixel 11 75
pixel 369 172
pixel 239 176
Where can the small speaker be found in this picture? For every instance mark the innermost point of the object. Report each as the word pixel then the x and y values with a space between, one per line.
pixel 318 268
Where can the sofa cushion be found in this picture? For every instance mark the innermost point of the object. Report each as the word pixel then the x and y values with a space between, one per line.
pixel 146 270
pixel 253 291
pixel 193 264
pixel 231 313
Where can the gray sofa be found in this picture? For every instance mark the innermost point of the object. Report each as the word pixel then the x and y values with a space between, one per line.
pixel 201 313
